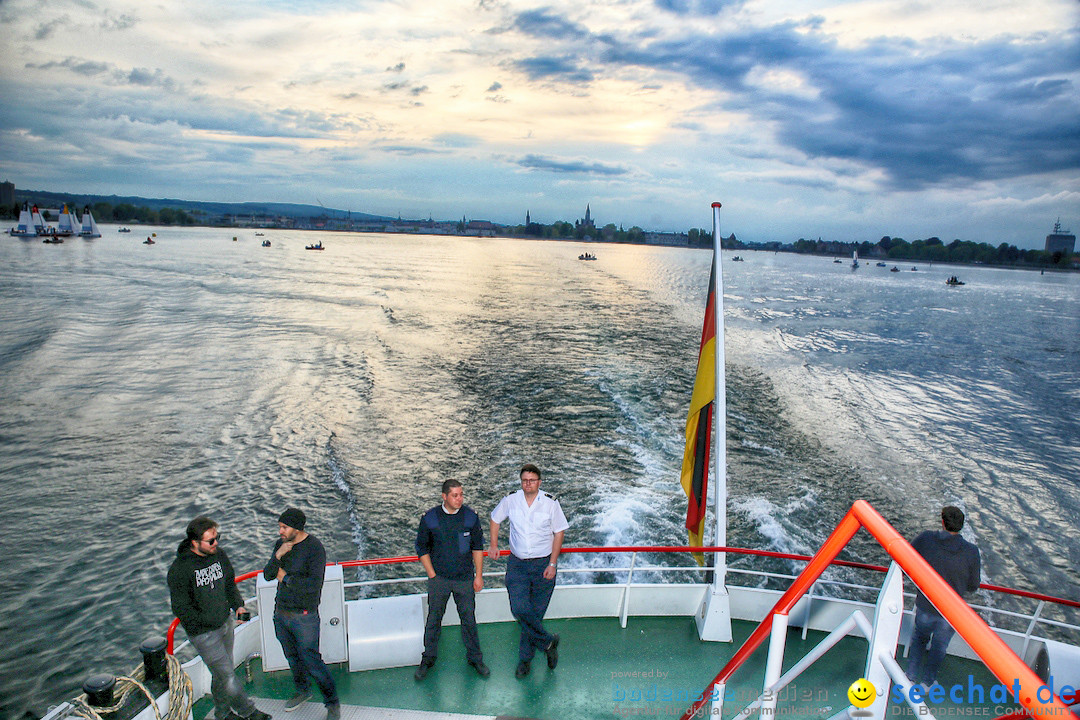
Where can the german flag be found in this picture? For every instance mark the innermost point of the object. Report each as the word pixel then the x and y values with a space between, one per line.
pixel 695 465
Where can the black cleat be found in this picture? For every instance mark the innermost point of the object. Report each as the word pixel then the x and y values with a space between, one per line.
pixel 522 669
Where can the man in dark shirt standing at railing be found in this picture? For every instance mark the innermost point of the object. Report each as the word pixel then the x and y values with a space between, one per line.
pixel 958 563
pixel 450 546
pixel 298 563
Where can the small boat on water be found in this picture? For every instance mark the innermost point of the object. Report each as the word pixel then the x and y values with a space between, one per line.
pixel 266 243
pixel 316 246
pixel 30 223
pixel 837 261
pixel 914 269
pixel 53 240
pixel 124 229
pixel 68 224
pixel 148 241
pixel 586 256
pixel 894 269
pixel 89 228
pixel 259 234
pixel 737 258
pixel 880 264
pixel 954 281
pixel 854 259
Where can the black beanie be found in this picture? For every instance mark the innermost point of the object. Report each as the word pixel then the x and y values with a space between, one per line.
pixel 294 518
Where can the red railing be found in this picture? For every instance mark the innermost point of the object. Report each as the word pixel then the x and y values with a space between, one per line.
pixel 990 648
pixel 171 634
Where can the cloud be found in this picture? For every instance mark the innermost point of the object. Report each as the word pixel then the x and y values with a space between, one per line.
pixel 697 7
pixel 543 23
pixel 145 77
pixel 47 29
pixel 1036 91
pixel 120 22
pixel 408 150
pixel 539 162
pixel 560 68
pixel 919 112
pixel 959 114
pixel 75 65
pixel 494 87
pixel 400 67
pixel 139 77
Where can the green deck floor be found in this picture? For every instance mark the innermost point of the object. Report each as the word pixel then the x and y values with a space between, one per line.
pixel 652 668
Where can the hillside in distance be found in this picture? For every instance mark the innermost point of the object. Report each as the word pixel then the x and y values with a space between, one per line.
pixel 293 210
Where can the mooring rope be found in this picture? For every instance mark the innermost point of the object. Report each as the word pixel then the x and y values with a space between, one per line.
pixel 181 694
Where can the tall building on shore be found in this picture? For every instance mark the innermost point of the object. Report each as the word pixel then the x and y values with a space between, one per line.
pixel 587 222
pixel 1060 240
pixel 7 193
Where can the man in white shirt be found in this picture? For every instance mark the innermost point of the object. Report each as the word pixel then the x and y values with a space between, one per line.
pixel 537 526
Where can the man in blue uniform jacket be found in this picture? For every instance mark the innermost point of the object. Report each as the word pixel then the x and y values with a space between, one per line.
pixel 450 546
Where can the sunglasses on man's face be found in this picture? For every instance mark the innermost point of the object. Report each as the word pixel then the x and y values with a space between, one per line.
pixel 213 540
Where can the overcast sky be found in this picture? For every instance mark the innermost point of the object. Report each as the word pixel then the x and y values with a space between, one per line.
pixel 805 118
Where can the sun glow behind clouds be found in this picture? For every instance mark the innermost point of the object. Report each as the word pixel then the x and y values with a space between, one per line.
pixel 812 104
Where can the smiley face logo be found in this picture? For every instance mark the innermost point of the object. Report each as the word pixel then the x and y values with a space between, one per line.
pixel 862 693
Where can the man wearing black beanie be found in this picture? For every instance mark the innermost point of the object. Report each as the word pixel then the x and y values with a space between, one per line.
pixel 298 563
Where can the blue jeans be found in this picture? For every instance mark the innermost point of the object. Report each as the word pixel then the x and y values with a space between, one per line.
pixel 216 649
pixel 298 633
pixel 529 595
pixel 923 663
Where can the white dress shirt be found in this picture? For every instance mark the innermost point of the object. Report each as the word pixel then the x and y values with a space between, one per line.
pixel 532 527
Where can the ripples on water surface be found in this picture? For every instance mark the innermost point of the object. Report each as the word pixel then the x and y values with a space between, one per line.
pixel 145 385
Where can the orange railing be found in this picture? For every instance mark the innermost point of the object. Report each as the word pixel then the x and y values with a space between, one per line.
pixel 992 650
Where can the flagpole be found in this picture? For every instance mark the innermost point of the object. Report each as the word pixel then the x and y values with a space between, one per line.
pixel 720 415
pixel 714 615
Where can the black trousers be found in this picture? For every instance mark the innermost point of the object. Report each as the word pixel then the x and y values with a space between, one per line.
pixel 439 591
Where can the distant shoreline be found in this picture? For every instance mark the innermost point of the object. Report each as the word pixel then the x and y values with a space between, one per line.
pixel 868 261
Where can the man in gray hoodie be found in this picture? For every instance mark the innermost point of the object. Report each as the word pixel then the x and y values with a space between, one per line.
pixel 958 563
pixel 202 589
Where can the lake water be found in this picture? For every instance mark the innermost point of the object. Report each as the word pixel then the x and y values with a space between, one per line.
pixel 144 385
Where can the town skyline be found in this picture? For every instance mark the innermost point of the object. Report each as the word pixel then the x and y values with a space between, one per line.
pixel 954 119
pixel 286 215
